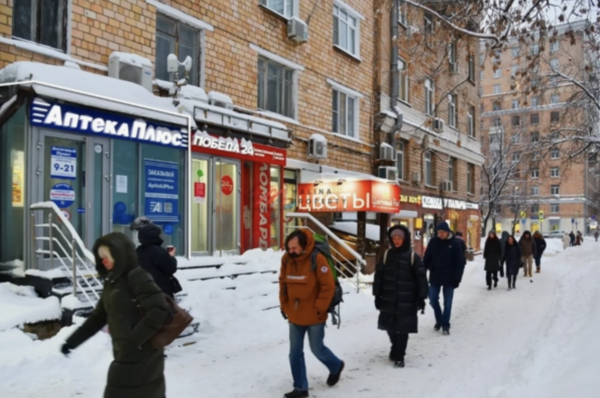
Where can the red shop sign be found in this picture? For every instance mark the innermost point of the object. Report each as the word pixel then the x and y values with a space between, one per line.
pixel 261 214
pixel 366 195
pixel 227 185
pixel 199 192
pixel 238 149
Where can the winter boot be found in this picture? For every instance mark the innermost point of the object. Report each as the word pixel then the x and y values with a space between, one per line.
pixel 495 283
pixel 399 364
pixel 446 332
pixel 437 327
pixel 296 394
pixel 489 287
pixel 538 270
pixel 333 378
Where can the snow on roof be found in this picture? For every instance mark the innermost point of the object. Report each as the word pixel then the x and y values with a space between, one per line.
pixel 86 88
pixel 180 15
pixel 348 227
pixel 217 96
pixel 130 58
pixel 20 305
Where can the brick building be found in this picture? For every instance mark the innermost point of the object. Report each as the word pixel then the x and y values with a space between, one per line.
pixel 437 149
pixel 290 76
pixel 529 114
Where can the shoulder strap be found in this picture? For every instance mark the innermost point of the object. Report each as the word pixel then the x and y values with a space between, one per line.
pixel 412 258
pixel 313 260
pixel 385 256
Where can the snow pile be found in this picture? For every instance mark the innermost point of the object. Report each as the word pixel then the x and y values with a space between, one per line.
pixel 20 305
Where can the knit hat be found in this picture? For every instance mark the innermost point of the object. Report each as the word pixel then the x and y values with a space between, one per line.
pixel 443 226
pixel 398 232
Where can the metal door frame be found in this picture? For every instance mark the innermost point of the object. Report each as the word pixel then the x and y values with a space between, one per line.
pixel 209 206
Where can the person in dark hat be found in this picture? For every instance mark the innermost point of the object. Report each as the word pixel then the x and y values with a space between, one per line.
pixel 445 260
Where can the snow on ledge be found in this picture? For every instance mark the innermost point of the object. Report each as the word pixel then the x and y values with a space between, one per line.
pixel 50 274
pixel 180 15
pixel 19 305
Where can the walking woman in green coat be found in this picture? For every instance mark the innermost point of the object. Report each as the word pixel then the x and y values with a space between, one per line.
pixel 137 370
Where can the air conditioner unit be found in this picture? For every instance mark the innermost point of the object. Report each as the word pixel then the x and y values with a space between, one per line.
pixel 132 68
pixel 438 125
pixel 386 152
pixel 416 177
pixel 297 30
pixel 389 173
pixel 454 68
pixel 317 147
pixel 447 186
pixel 219 99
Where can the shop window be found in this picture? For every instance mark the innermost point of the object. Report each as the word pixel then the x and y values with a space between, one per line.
pixel 174 37
pixel 12 188
pixel 275 88
pixel 291 194
pixel 276 238
pixel 200 202
pixel 226 206
pixel 346 29
pixel 43 22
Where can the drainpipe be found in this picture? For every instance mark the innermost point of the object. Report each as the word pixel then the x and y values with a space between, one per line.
pixel 394 80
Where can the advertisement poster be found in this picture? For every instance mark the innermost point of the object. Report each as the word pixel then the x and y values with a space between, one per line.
pixel 18 173
pixel 199 192
pixel 261 212
pixel 161 191
pixel 63 195
pixel 63 163
pixel 121 184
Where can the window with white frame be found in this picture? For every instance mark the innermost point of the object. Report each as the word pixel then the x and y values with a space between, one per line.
pixel 497 89
pixel 285 8
pixel 471 122
pixel 534 49
pixel 403 80
pixel 345 113
pixel 555 208
pixel 429 96
pixel 452 56
pixel 555 153
pixel 516 157
pixel 175 37
pixel 554 64
pixel 452 172
pixel 554 46
pixel 513 70
pixel 515 138
pixel 534 118
pixel 497 122
pixel 481 75
pixel 535 173
pixel 470 178
pixel 554 189
pixel 535 208
pixel 535 190
pixel 515 104
pixel 554 117
pixel 275 88
pixel 554 99
pixel 428 24
pixel 428 169
pixel 400 161
pixel 471 65
pixel 554 172
pixel 497 106
pixel 535 137
pixel 402 18
pixel 481 59
pixel 535 101
pixel 452 114
pixel 346 29
pixel 515 52
pixel 44 22
pixel 498 73
pixel 515 121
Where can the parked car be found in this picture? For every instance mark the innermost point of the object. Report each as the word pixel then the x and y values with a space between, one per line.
pixel 554 235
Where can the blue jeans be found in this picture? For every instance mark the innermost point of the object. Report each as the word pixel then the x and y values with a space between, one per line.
pixel 434 299
pixel 316 335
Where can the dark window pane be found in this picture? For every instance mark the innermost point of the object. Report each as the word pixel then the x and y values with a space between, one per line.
pixel 274 88
pixel 165 25
pixel 336 30
pixel 51 23
pixel 22 21
pixel 335 113
pixel 261 84
pixel 288 97
pixel 165 45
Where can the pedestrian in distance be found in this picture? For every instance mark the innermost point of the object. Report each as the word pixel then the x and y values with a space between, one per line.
pixel 158 261
pixel 540 246
pixel 596 234
pixel 137 370
pixel 463 244
pixel 572 236
pixel 529 252
pixel 512 260
pixel 400 289
pixel 566 239
pixel 305 296
pixel 492 254
pixel 503 240
pixel 445 260
pixel 578 239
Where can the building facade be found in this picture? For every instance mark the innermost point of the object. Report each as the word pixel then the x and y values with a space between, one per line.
pixel 529 115
pixel 269 103
pixel 430 78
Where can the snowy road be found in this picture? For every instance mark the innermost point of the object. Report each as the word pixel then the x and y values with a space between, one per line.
pixel 536 341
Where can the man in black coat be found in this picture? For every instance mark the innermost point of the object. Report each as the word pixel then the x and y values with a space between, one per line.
pixel 400 289
pixel 155 259
pixel 445 261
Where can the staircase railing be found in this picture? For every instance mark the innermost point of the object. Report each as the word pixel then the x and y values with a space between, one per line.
pixel 340 259
pixel 64 249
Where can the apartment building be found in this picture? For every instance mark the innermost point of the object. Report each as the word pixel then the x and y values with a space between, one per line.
pixel 529 114
pixel 278 93
pixel 437 148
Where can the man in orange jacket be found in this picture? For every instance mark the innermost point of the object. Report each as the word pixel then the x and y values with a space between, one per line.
pixel 305 295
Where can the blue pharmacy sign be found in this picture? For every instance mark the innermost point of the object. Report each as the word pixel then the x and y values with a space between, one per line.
pixel 63 163
pixel 81 120
pixel 161 196
pixel 63 195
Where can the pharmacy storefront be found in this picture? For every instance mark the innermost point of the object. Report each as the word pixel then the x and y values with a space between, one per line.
pixel 102 169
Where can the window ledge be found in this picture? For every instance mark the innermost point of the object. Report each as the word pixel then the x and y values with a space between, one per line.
pixel 472 137
pixel 430 187
pixel 405 102
pixel 347 138
pixel 49 52
pixel 277 116
pixel 470 194
pixel 274 13
pixel 453 128
pixel 340 49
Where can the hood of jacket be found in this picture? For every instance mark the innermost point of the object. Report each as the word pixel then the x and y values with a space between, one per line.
pixel 122 251
pixel 407 238
pixel 526 233
pixel 149 235
pixel 307 252
pixel 505 235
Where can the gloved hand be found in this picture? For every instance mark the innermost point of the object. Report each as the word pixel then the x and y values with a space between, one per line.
pixel 283 315
pixel 65 349
pixel 378 303
pixel 421 305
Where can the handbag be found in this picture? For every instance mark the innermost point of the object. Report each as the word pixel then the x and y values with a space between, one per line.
pixel 176 323
pixel 175 285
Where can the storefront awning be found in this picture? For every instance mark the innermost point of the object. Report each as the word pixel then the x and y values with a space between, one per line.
pixel 336 192
pixel 93 90
pixel 405 214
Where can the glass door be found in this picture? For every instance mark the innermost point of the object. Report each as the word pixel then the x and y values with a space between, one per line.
pixel 74 173
pixel 226 206
pixel 200 220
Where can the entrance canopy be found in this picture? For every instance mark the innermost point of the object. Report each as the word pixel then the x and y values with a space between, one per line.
pixel 338 192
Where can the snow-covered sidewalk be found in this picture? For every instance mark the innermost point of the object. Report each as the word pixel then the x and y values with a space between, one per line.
pixel 536 341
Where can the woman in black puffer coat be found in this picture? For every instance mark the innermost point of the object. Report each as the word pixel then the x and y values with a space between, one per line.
pixel 492 253
pixel 512 258
pixel 400 289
